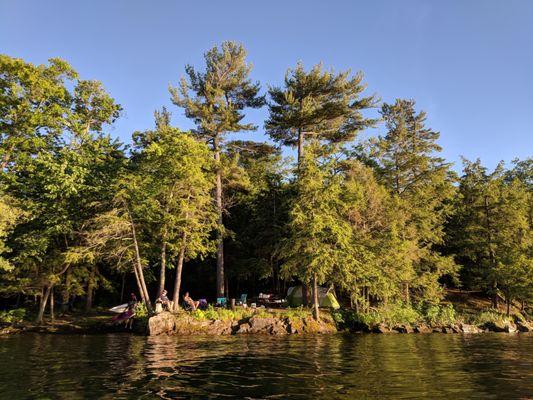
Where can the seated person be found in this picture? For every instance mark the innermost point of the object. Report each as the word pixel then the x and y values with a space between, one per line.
pixel 190 302
pixel 163 299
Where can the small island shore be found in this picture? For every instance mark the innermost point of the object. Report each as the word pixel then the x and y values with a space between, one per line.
pixel 262 322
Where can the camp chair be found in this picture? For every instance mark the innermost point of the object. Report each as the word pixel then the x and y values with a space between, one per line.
pixel 242 300
pixel 221 302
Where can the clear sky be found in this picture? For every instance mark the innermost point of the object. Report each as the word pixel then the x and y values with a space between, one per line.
pixel 469 64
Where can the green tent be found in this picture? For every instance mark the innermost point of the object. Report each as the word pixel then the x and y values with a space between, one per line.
pixel 326 298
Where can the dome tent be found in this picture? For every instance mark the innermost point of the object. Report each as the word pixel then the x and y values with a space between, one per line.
pixel 326 297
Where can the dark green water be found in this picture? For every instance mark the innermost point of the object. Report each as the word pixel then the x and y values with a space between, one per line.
pixel 437 366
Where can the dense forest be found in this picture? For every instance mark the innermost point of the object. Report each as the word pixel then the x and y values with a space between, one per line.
pixel 86 219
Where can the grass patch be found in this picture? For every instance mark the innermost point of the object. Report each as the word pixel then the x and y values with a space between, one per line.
pixel 224 314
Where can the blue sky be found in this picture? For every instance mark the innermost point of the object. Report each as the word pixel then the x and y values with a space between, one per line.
pixel 469 64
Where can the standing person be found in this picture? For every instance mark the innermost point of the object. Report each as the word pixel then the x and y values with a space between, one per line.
pixel 133 300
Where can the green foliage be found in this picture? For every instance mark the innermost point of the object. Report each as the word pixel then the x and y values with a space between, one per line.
pixel 12 316
pixel 395 314
pixel 223 314
pixel 491 231
pixel 214 99
pixel 141 311
pixel 9 216
pixel 318 237
pixel 407 162
pixel 440 315
pixel 384 224
pixel 491 316
pixel 317 104
pixel 391 315
pixel 297 313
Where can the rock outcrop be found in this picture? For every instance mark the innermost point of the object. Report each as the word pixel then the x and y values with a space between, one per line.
pixel 166 323
pixel 466 328
pixel 524 326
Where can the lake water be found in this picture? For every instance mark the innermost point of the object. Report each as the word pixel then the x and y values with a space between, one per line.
pixel 122 366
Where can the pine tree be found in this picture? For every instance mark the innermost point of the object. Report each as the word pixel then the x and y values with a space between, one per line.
pixel 491 232
pixel 215 100
pixel 408 164
pixel 317 104
pixel 319 237
pixel 380 259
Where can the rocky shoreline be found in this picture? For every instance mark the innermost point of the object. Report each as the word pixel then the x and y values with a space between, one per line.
pixel 184 324
pixel 170 324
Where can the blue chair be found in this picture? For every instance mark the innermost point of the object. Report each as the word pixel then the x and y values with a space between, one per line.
pixel 242 301
pixel 221 302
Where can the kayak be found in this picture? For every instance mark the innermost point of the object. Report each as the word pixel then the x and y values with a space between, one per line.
pixel 123 316
pixel 119 309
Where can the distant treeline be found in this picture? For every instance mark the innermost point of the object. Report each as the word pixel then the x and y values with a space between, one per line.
pixel 384 220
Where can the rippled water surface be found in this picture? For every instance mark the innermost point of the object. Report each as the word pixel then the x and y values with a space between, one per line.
pixel 120 366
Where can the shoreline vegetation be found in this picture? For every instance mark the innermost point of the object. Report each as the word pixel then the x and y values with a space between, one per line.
pixel 383 221
pixel 475 316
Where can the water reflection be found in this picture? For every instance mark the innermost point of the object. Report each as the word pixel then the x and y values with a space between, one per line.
pixel 315 367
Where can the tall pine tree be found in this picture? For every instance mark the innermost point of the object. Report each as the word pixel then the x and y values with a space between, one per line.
pixel 408 163
pixel 215 100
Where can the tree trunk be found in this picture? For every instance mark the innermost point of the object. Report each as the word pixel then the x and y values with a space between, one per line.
pixel 52 314
pixel 301 144
pixel 42 304
pixel 138 265
pixel 139 286
pixel 491 251
pixel 508 301
pixel 90 289
pixel 122 287
pixel 177 281
pixel 162 271
pixel 495 294
pixel 305 294
pixel 407 296
pixel 220 237
pixel 316 312
pixel 65 295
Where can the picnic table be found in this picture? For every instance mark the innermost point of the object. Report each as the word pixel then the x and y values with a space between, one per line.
pixel 271 300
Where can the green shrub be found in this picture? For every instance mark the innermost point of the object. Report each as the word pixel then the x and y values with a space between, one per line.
pixel 141 312
pixel 392 314
pixel 211 313
pixel 490 316
pixel 199 315
pixel 12 316
pixel 296 313
pixel 224 314
pixel 448 315
pixel 440 315
pixel 262 313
